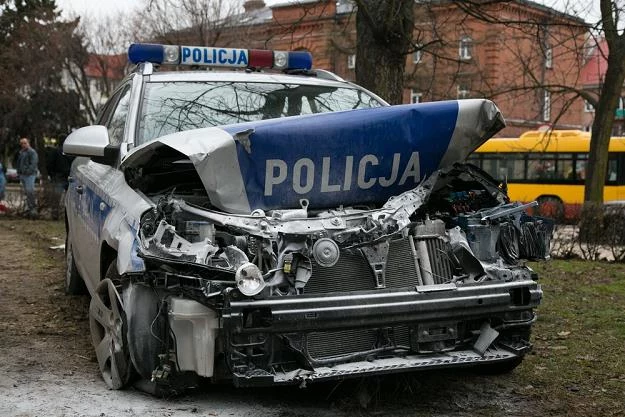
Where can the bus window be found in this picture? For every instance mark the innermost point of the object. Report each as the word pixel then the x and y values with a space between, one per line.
pixel 580 166
pixel 491 166
pixel 511 167
pixel 564 167
pixel 515 167
pixel 539 168
pixel 474 159
pixel 612 171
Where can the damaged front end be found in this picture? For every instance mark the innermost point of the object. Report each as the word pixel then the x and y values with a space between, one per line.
pixel 434 277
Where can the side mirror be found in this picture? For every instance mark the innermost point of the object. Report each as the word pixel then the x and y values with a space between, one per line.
pixel 92 142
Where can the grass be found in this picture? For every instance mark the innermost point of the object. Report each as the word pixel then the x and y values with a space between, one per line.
pixel 578 363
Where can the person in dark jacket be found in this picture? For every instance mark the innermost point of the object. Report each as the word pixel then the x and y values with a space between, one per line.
pixel 58 166
pixel 3 182
pixel 27 161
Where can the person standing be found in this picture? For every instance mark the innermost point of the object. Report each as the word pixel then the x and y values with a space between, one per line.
pixel 2 188
pixel 27 161
pixel 58 166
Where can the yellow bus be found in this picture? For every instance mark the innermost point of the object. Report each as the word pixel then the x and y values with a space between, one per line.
pixel 550 167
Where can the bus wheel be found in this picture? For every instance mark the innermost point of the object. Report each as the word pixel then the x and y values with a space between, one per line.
pixel 551 207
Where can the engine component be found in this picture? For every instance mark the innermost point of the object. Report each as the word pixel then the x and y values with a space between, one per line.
pixel 430 228
pixel 303 271
pixel 432 247
pixel 424 263
pixel 326 252
pixel 483 241
pixel 199 231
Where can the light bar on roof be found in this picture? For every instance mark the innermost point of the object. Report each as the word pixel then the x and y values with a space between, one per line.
pixel 218 57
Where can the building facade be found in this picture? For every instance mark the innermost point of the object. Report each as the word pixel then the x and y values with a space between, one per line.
pixel 524 56
pixel 593 75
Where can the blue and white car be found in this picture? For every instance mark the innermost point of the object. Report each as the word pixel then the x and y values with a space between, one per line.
pixel 288 227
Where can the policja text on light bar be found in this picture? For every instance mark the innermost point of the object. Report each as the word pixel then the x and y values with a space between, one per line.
pixel 220 57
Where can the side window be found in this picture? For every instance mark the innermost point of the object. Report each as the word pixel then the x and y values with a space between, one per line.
pixel 117 122
pixel 105 111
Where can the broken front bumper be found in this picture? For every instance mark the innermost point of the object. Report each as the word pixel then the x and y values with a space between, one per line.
pixel 437 321
pixel 382 366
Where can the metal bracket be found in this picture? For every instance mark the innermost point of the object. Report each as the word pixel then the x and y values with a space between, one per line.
pixel 377 255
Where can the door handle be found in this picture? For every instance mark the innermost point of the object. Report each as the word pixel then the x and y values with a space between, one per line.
pixel 79 189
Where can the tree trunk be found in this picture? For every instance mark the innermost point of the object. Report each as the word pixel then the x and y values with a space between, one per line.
pixel 602 125
pixel 384 34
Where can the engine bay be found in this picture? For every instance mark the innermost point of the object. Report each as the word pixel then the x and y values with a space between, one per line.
pixel 458 225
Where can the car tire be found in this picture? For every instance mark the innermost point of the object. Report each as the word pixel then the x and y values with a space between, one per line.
pixel 147 328
pixel 108 325
pixel 74 284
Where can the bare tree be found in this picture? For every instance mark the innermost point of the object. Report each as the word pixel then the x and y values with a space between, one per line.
pixel 384 38
pixel 606 101
pixel 95 60
pixel 612 14
pixel 175 22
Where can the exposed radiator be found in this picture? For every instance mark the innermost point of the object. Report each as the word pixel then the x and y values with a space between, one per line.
pixel 323 345
pixel 439 261
pixel 353 273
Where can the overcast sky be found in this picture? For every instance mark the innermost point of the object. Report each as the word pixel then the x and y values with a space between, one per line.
pixel 103 7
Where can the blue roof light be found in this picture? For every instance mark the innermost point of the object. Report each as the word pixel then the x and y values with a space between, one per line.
pixel 300 60
pixel 146 52
pixel 219 57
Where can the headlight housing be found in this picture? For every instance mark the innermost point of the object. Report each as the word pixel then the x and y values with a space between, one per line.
pixel 249 279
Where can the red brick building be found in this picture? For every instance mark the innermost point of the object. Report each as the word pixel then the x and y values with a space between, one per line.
pixel 593 74
pixel 496 55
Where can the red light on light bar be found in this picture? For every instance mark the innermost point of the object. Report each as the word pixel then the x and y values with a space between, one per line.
pixel 260 58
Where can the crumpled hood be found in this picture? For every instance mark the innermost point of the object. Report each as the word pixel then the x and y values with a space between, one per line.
pixel 331 159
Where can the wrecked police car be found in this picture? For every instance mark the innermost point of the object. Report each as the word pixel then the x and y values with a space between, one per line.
pixel 289 228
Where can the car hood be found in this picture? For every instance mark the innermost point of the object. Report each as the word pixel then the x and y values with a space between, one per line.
pixel 330 159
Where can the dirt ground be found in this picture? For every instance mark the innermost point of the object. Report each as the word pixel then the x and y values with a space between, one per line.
pixel 47 365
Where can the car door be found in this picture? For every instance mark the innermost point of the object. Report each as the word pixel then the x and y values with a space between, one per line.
pixel 75 203
pixel 93 188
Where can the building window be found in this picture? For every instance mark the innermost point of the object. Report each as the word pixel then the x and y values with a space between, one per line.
pixel 463 91
pixel 416 55
pixel 588 107
pixel 351 61
pixel 464 49
pixel 415 96
pixel 546 106
pixel 548 57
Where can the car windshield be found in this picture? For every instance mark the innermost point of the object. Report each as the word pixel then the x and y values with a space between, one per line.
pixel 170 107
